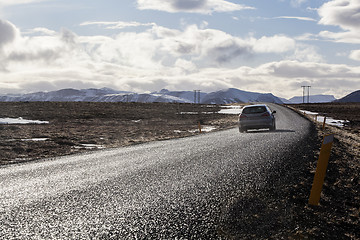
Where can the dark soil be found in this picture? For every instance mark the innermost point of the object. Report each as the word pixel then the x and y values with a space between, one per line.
pixel 338 214
pixel 75 125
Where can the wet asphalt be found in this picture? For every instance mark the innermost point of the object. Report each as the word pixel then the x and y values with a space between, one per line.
pixel 174 189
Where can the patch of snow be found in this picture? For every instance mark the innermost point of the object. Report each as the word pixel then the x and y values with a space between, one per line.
pixel 20 120
pixel 207 128
pixel 225 110
pixel 231 110
pixel 35 139
pixel 193 113
pixel 204 129
pixel 90 146
pixel 329 120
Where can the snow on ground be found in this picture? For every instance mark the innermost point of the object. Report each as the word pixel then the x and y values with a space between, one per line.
pixel 194 113
pixel 230 110
pixel 20 120
pixel 225 110
pixel 35 139
pixel 207 128
pixel 204 128
pixel 329 120
pixel 90 146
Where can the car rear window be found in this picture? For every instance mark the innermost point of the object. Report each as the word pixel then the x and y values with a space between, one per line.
pixel 257 109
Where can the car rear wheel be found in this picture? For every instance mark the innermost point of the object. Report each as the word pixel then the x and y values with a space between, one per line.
pixel 273 127
pixel 242 130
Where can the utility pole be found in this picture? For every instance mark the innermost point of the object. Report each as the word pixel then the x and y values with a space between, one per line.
pixel 307 88
pixel 197 96
pixel 303 87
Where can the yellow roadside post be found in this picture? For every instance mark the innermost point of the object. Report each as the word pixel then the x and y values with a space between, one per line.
pixel 321 169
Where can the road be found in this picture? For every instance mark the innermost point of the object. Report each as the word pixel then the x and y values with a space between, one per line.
pixel 170 189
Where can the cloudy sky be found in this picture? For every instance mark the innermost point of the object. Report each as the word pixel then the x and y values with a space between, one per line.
pixel 146 45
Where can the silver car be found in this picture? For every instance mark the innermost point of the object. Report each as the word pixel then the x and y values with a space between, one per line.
pixel 256 117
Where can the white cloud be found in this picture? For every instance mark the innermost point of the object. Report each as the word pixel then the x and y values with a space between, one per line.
pixel 342 13
pixel 306 53
pixel 8 32
pixel 289 75
pixel 117 25
pixel 311 70
pixel 296 18
pixel 341 37
pixel 193 6
pixel 297 3
pixel 355 55
pixel 17 2
pixel 346 15
pixel 185 66
pixel 43 31
pixel 207 47
pixel 159 57
pixel 274 44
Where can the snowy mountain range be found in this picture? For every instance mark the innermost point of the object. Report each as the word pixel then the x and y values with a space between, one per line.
pixel 230 95
pixel 233 95
pixel 225 96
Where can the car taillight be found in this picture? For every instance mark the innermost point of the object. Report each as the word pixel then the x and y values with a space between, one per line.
pixel 242 116
pixel 266 115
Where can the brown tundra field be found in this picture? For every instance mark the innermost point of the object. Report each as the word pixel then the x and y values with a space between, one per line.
pixel 82 126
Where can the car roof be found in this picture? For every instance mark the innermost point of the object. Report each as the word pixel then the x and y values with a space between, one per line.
pixel 256 105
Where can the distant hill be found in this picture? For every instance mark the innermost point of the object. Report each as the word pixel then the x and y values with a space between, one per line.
pixel 233 95
pixel 314 99
pixel 68 95
pixel 286 101
pixel 90 95
pixel 136 97
pixel 352 97
pixel 225 96
pixel 187 95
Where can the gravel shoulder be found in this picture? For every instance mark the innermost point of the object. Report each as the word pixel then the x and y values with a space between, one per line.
pixel 338 214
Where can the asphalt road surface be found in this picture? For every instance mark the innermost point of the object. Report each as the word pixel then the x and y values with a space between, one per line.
pixel 174 189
